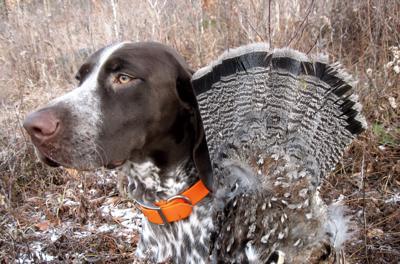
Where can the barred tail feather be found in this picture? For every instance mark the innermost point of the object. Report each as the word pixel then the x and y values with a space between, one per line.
pixel 300 106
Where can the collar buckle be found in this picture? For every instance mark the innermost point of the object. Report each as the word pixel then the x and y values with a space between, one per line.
pixel 180 196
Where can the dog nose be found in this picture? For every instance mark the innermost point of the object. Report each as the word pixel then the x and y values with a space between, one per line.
pixel 42 124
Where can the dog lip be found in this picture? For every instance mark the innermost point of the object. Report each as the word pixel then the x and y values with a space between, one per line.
pixel 114 164
pixel 48 161
pixel 51 162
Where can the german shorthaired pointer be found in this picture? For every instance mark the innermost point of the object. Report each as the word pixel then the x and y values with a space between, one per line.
pixel 275 123
pixel 134 106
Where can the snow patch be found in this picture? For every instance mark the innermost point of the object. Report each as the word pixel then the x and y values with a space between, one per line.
pixel 394 199
pixel 127 217
pixel 37 254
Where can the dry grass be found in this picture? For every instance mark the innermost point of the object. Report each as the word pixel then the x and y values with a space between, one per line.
pixel 43 42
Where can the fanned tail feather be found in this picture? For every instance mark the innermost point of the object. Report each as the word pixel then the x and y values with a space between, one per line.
pixel 282 101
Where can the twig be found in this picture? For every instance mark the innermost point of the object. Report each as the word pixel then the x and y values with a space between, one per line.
pixel 315 43
pixel 302 23
pixel 115 19
pixel 364 205
pixel 269 24
pixel 258 34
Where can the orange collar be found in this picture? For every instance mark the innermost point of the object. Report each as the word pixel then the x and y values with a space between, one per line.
pixel 175 208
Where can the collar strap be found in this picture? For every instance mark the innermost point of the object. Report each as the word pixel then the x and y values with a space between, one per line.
pixel 175 208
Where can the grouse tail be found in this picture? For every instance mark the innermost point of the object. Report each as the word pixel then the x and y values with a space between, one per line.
pixel 279 101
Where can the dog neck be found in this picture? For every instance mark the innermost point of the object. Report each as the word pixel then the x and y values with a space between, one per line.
pixel 166 168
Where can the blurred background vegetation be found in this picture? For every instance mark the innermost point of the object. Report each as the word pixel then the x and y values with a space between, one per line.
pixel 43 42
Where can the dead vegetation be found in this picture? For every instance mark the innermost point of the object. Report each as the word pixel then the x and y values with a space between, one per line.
pixel 78 217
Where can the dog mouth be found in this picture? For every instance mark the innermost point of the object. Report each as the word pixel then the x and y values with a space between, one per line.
pixel 114 164
pixel 53 163
pixel 45 159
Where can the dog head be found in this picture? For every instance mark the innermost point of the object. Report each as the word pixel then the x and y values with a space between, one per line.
pixel 130 97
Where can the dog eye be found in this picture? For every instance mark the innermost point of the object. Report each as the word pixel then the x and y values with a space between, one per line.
pixel 123 78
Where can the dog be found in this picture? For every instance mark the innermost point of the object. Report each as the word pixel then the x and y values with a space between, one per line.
pixel 135 108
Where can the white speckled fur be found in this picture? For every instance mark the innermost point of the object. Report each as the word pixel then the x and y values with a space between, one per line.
pixel 167 243
pixel 162 242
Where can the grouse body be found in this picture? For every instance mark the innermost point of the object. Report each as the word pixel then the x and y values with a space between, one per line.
pixel 276 123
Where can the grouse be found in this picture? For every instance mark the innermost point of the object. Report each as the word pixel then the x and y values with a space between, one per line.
pixel 276 123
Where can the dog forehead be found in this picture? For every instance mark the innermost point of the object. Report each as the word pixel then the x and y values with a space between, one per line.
pixel 149 56
pixel 98 60
pixel 146 49
pixel 86 90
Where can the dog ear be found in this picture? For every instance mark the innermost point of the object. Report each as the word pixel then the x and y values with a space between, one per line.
pixel 200 153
